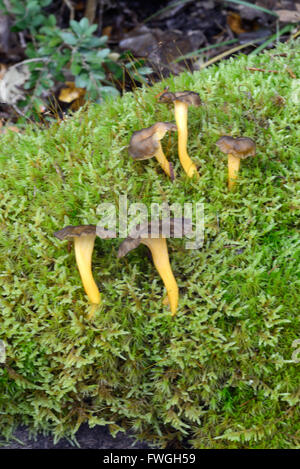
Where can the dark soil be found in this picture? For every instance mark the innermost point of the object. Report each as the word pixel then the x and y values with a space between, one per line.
pixel 87 438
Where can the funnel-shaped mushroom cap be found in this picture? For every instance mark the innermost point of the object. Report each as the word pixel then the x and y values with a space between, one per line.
pixel 70 232
pixel 166 228
pixel 75 231
pixel 241 147
pixel 144 143
pixel 187 97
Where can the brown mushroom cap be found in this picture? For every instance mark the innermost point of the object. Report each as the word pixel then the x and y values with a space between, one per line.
pixel 75 231
pixel 173 228
pixel 70 232
pixel 144 143
pixel 241 147
pixel 188 97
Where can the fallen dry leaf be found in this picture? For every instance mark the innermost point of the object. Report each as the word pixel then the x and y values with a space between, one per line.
pixel 6 128
pixel 234 21
pixel 10 85
pixel 289 16
pixel 70 94
pixel 106 31
pixel 3 69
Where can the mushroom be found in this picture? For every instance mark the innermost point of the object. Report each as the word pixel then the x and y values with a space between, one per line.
pixel 84 240
pixel 237 149
pixel 182 100
pixel 154 237
pixel 145 144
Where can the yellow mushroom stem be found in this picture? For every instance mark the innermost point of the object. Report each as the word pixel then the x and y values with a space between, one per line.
pixel 233 169
pixel 181 117
pixel 159 251
pixel 161 158
pixel 84 246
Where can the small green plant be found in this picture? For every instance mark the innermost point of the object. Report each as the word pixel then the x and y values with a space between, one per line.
pixel 54 53
pixel 76 50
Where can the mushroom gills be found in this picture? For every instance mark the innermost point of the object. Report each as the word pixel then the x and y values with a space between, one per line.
pixel 181 116
pixel 233 169
pixel 159 251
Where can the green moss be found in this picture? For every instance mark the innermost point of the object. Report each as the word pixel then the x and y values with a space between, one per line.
pixel 220 373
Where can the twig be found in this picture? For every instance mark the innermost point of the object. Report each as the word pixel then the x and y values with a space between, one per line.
pixel 291 73
pixel 71 8
pixel 90 10
pixel 254 69
pixel 197 52
pixel 244 403
pixel 226 53
pixel 18 111
pixel 100 17
pixel 27 61
pixel 273 268
pixel 22 40
pixel 289 70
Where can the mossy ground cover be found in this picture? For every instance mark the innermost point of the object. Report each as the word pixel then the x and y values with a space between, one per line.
pixel 220 373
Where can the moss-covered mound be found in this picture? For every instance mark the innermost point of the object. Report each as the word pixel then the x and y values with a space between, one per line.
pixel 222 373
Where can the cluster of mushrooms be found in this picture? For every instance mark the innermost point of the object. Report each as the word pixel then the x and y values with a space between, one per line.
pixel 145 144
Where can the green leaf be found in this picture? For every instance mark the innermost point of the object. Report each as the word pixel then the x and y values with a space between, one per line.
pixel 76 68
pixel 68 38
pixel 99 75
pixel 75 25
pixel 51 20
pixel 84 23
pixel 109 90
pixel 39 89
pixel 103 53
pixel 55 41
pixel 102 40
pixel 82 81
pixel 91 29
pixel 91 42
pixel 144 70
